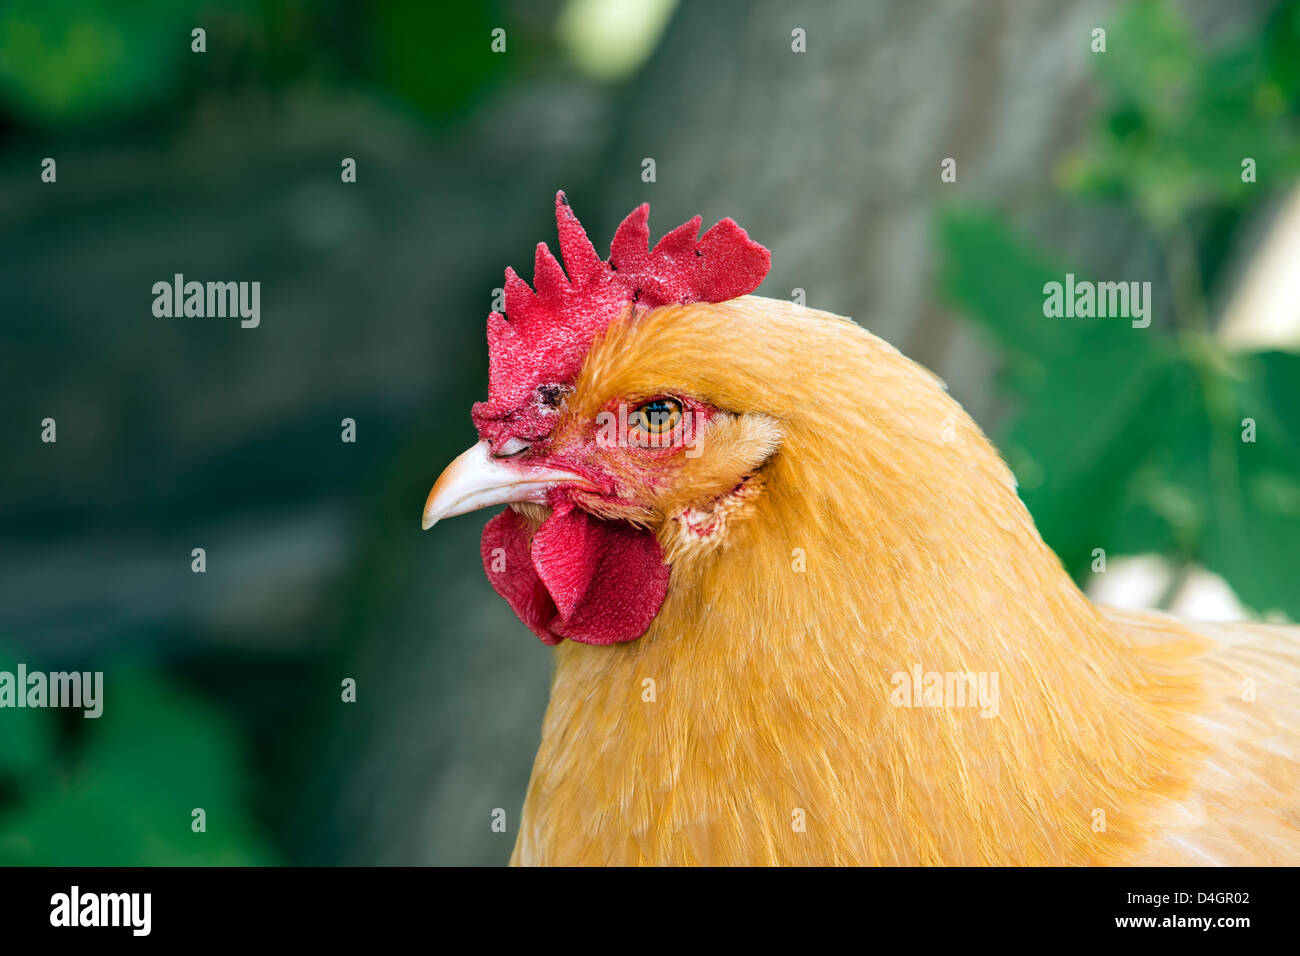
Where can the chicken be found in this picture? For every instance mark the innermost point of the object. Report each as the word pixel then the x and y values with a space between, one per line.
pixel 800 614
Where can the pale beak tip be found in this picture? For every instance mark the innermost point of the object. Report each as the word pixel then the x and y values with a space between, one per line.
pixel 431 513
pixel 479 479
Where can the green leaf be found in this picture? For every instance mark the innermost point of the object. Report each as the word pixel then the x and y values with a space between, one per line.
pixel 1165 504
pixel 1253 539
pixel 1082 424
pixel 998 280
pixel 63 63
pixel 1086 434
pixel 154 756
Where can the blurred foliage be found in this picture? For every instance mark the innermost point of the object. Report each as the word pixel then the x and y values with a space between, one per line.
pixel 119 789
pixel 63 63
pixel 73 64
pixel 1131 439
pixel 1179 123
pixel 404 36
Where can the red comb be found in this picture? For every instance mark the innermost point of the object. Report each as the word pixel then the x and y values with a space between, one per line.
pixel 544 335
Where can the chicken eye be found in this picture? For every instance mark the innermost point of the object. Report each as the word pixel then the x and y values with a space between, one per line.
pixel 657 417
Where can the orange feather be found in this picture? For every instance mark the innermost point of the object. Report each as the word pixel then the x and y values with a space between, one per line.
pixel 848 523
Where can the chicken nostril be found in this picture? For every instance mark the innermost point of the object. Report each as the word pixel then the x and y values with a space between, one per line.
pixel 511 447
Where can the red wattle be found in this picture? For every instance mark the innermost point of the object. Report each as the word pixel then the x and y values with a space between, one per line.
pixel 578 577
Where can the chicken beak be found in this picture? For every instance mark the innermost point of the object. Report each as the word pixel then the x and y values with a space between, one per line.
pixel 477 479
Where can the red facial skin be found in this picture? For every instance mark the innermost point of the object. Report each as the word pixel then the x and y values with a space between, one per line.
pixel 597 580
pixel 621 462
